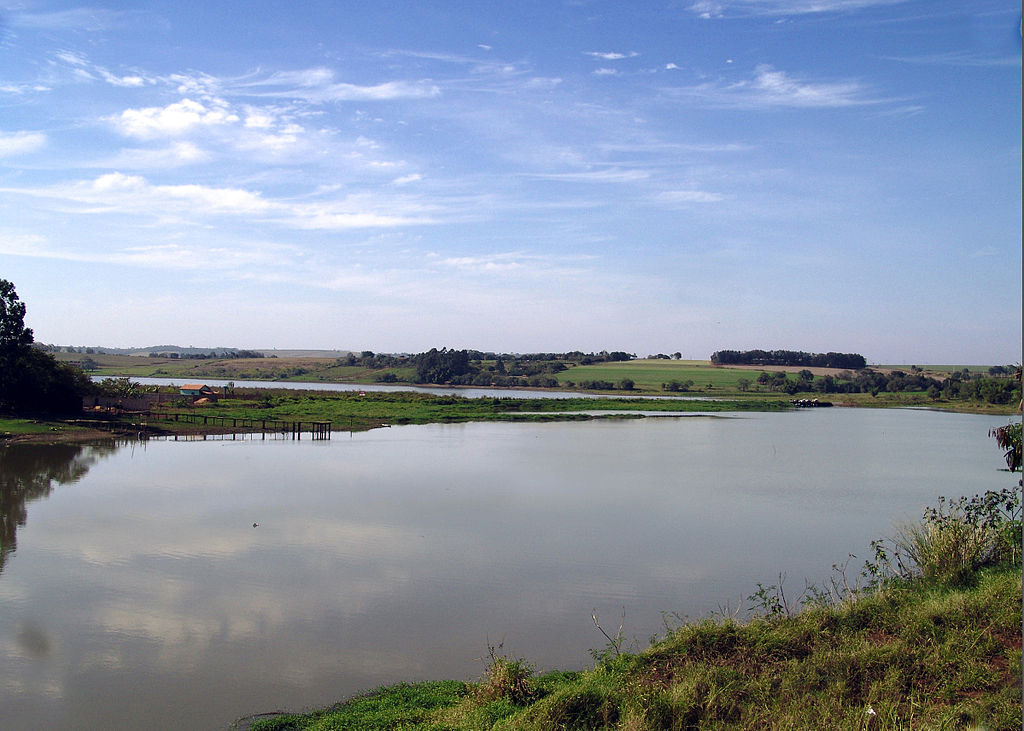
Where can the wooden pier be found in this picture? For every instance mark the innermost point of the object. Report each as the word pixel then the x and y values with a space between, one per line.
pixel 315 429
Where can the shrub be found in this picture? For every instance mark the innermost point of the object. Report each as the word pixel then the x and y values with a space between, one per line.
pixel 953 540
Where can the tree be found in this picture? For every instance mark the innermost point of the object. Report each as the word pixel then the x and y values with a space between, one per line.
pixel 13 333
pixel 32 381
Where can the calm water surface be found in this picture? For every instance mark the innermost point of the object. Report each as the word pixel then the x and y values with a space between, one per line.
pixel 136 593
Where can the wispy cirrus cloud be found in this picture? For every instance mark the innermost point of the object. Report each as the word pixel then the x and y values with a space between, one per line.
pixel 770 88
pixel 91 19
pixel 319 85
pixel 608 175
pixel 84 70
pixel 688 196
pixel 959 58
pixel 173 255
pixel 747 8
pixel 122 194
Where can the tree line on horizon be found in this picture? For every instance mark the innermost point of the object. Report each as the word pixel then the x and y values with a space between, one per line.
pixel 848 361
pixel 1000 386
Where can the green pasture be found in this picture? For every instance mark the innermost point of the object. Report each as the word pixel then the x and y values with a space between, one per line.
pixel 649 375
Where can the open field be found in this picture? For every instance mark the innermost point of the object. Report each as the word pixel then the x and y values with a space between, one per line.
pixel 649 375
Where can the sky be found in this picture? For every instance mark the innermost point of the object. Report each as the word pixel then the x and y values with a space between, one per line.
pixel 654 177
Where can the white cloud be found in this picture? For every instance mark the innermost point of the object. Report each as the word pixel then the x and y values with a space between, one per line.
pixel 406 179
pixel 131 80
pixel 173 120
pixel 611 55
pixel 21 143
pixel 496 263
pixel 605 72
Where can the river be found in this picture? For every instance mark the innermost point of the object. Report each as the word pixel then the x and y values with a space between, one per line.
pixel 169 584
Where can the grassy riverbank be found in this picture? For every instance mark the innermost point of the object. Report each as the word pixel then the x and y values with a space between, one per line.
pixel 356 411
pixel 422 408
pixel 938 646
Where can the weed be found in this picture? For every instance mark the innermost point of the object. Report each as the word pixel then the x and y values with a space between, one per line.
pixel 505 679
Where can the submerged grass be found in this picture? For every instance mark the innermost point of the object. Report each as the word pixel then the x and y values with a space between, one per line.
pixel 922 648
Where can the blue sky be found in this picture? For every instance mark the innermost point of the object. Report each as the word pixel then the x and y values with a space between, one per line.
pixel 520 177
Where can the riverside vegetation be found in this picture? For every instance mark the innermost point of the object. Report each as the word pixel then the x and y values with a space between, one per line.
pixel 928 636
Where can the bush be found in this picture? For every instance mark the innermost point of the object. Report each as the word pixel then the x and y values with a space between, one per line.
pixel 953 540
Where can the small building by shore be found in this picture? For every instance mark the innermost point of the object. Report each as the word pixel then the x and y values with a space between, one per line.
pixel 198 391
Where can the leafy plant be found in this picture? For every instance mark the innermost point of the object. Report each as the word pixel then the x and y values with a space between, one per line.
pixel 953 539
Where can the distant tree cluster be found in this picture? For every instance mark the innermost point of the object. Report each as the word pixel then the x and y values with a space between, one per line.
pixel 479 368
pixel 31 380
pixel 960 385
pixel 211 355
pixel 852 361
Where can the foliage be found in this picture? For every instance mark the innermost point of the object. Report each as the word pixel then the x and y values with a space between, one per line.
pixel 678 386
pixel 789 358
pixel 1009 439
pixel 13 334
pixel 31 380
pixel 123 387
pixel 953 540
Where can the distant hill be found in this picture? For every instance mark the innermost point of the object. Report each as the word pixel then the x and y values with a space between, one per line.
pixel 184 351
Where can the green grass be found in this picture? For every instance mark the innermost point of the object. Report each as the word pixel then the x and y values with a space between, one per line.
pixel 649 375
pixel 352 409
pixel 34 426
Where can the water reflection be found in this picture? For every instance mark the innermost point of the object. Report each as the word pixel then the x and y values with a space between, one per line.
pixel 29 472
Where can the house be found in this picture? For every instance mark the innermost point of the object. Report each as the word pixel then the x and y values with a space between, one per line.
pixel 198 391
